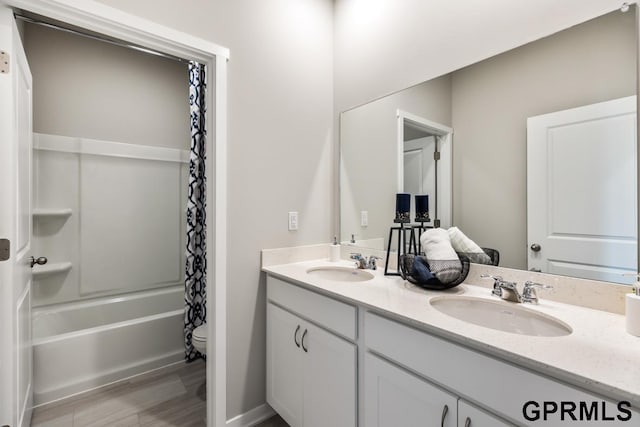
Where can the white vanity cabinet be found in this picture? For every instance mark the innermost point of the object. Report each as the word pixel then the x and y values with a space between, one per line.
pixel 338 364
pixel 496 386
pixel 394 397
pixel 311 363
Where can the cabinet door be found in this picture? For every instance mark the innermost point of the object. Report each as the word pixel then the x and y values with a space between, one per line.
pixel 470 416
pixel 284 364
pixel 394 397
pixel 330 378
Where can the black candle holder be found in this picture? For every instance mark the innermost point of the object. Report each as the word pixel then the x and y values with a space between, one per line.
pixel 402 218
pixel 422 217
pixel 402 245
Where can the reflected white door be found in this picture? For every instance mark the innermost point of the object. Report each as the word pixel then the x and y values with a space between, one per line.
pixel 15 226
pixel 581 191
pixel 419 168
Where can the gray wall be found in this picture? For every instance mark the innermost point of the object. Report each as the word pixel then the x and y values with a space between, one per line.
pixel 91 89
pixel 280 148
pixel 385 46
pixel 589 63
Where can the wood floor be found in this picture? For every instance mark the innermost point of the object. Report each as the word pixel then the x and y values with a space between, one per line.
pixel 172 397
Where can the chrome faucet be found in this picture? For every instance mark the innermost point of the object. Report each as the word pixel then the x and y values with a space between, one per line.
pixel 508 291
pixel 363 263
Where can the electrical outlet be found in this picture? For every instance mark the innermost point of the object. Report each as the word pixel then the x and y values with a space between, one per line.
pixel 293 221
pixel 364 218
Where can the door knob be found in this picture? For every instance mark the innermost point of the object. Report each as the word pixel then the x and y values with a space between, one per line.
pixel 40 261
pixel 536 247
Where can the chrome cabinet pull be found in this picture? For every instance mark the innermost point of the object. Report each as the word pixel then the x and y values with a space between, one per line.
pixel 304 334
pixel 295 337
pixel 467 422
pixel 445 411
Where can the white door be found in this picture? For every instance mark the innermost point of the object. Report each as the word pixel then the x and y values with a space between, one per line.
pixel 419 169
pixel 394 397
pixel 329 379
pixel 15 226
pixel 284 364
pixel 581 191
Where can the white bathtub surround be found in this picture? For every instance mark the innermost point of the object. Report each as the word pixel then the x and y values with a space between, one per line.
pixel 83 345
pixel 107 307
pixel 598 355
pixel 88 200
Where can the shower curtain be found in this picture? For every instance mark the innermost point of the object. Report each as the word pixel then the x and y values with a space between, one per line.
pixel 195 294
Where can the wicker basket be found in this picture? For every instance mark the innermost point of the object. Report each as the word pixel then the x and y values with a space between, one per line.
pixel 406 265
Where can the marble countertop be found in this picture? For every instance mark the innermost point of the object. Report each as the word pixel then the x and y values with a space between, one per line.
pixel 599 355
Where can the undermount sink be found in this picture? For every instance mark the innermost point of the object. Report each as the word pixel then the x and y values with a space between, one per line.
pixel 502 316
pixel 340 274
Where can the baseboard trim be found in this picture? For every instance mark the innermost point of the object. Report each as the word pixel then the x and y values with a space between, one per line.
pixel 252 417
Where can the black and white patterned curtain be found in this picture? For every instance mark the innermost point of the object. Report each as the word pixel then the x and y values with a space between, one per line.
pixel 195 294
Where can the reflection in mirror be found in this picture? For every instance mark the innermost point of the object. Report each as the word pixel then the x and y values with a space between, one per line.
pixel 590 171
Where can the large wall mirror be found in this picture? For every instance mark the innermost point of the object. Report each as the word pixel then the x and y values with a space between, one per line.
pixel 541 164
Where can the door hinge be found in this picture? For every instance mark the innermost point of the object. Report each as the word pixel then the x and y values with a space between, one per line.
pixel 4 62
pixel 436 155
pixel 5 250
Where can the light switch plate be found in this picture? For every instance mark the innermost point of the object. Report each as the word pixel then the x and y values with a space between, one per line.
pixel 364 218
pixel 293 221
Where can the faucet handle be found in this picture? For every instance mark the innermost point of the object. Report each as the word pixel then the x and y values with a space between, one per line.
pixel 372 261
pixel 361 262
pixel 531 285
pixel 529 293
pixel 497 290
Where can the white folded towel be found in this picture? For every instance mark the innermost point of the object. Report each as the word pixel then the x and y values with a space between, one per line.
pixel 441 257
pixel 461 243
pixel 436 244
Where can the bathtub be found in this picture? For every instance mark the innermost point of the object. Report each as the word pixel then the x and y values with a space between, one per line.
pixel 82 345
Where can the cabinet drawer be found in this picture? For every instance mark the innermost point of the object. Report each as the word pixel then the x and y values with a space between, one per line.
pixel 326 312
pixel 481 379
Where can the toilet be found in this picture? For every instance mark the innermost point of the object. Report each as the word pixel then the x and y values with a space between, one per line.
pixel 199 338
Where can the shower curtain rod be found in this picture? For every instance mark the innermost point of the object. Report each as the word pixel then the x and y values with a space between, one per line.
pixel 98 38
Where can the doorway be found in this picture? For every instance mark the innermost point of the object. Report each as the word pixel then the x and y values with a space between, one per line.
pixel 425 164
pixel 129 28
